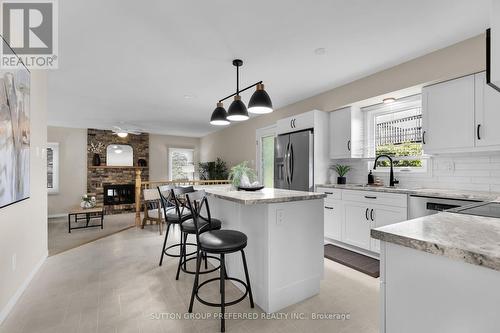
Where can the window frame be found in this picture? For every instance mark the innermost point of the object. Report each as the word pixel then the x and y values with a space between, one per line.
pixel 371 112
pixel 171 150
pixel 54 146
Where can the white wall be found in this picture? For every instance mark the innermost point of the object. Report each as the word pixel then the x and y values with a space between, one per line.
pixel 474 172
pixel 23 225
pixel 72 168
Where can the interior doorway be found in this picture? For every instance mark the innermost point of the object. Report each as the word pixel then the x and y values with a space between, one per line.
pixel 265 138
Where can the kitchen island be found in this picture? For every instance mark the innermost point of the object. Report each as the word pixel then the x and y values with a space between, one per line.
pixel 285 241
pixel 440 273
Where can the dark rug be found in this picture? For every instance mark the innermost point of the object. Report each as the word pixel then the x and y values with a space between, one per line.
pixel 359 262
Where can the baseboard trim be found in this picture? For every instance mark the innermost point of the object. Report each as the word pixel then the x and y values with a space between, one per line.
pixel 13 300
pixel 57 215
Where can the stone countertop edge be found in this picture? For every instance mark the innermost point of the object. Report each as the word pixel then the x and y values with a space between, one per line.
pixel 468 256
pixel 439 193
pixel 254 201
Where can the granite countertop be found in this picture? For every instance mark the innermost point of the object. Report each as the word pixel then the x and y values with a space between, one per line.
pixel 469 238
pixel 264 196
pixel 426 192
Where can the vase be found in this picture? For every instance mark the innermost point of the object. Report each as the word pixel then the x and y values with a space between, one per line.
pixel 341 180
pixel 96 159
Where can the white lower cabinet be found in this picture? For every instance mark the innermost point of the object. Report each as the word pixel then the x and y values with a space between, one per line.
pixel 356 225
pixel 384 215
pixel 349 215
pixel 333 219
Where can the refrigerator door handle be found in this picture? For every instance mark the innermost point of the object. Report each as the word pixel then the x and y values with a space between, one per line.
pixel 286 164
pixel 291 158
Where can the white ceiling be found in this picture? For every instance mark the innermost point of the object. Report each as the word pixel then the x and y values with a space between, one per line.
pixel 131 63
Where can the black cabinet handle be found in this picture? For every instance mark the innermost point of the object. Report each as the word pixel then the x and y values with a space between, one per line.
pixel 478 132
pixel 371 215
pixel 423 137
pixel 328 192
pixel 349 145
pixel 328 207
pixel 291 123
pixel 370 197
pixel 366 214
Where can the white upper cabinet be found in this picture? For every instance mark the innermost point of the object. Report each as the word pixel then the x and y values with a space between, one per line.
pixel 448 116
pixel 346 133
pixel 296 123
pixel 494 56
pixel 487 113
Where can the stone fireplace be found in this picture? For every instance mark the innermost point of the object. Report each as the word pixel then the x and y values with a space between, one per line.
pixel 114 186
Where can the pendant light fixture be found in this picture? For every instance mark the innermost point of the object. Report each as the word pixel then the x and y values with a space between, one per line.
pixel 260 102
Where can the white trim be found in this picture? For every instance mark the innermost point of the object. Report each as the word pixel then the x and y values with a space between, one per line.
pixel 17 295
pixel 270 130
pixel 57 215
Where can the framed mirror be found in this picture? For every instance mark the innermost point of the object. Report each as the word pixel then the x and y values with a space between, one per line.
pixel 119 155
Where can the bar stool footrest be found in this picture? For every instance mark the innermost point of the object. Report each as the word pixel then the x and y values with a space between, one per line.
pixel 177 255
pixel 200 272
pixel 225 303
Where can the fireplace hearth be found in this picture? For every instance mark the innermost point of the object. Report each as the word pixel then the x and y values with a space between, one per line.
pixel 121 194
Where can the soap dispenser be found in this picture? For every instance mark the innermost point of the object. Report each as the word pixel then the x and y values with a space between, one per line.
pixel 371 180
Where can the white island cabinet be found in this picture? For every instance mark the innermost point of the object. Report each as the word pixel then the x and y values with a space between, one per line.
pixel 440 273
pixel 285 242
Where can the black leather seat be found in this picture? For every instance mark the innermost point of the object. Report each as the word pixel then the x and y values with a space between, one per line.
pixel 226 241
pixel 220 243
pixel 173 217
pixel 189 227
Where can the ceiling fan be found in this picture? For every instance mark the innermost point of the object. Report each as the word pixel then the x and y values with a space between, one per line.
pixel 123 132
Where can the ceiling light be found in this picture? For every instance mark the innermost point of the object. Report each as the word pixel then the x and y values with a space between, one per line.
pixel 320 51
pixel 122 134
pixel 260 102
pixel 219 116
pixel 237 110
pixel 388 100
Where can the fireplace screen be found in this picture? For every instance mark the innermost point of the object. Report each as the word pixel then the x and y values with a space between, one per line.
pixel 119 194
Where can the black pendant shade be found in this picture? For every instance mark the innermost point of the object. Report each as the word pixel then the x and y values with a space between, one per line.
pixel 237 110
pixel 260 102
pixel 219 116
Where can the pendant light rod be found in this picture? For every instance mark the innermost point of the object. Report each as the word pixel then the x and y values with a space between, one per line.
pixel 242 90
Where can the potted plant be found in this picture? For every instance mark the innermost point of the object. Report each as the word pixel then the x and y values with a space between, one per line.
pixel 342 171
pixel 96 148
pixel 215 170
pixel 242 175
pixel 87 202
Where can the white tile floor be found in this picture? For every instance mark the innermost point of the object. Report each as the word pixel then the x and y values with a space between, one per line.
pixel 115 285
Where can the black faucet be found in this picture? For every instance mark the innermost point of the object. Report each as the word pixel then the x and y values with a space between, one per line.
pixel 392 181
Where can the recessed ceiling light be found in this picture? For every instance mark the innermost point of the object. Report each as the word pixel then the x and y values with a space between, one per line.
pixel 188 96
pixel 320 51
pixel 388 100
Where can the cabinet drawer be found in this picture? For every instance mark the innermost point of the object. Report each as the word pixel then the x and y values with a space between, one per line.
pixel 331 193
pixel 373 197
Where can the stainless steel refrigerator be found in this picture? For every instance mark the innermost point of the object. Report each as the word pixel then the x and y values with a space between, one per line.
pixel 294 161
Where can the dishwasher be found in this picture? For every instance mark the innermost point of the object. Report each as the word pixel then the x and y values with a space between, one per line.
pixel 423 205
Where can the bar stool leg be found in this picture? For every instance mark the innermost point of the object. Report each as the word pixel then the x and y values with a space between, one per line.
pixel 222 294
pixel 185 249
pixel 195 283
pixel 206 259
pixel 247 278
pixel 164 244
pixel 181 256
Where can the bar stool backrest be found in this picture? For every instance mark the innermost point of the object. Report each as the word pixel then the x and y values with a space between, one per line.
pixel 178 195
pixel 165 192
pixel 197 202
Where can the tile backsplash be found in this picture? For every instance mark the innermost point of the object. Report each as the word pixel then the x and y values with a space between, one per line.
pixel 474 172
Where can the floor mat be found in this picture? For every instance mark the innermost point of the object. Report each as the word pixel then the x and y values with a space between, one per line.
pixel 359 262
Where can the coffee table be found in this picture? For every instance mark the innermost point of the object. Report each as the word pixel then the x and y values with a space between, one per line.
pixel 86 214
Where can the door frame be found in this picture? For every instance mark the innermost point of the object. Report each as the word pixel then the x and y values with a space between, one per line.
pixel 270 130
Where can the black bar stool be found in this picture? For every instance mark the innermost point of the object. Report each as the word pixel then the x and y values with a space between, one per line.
pixel 188 228
pixel 172 218
pixel 219 242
